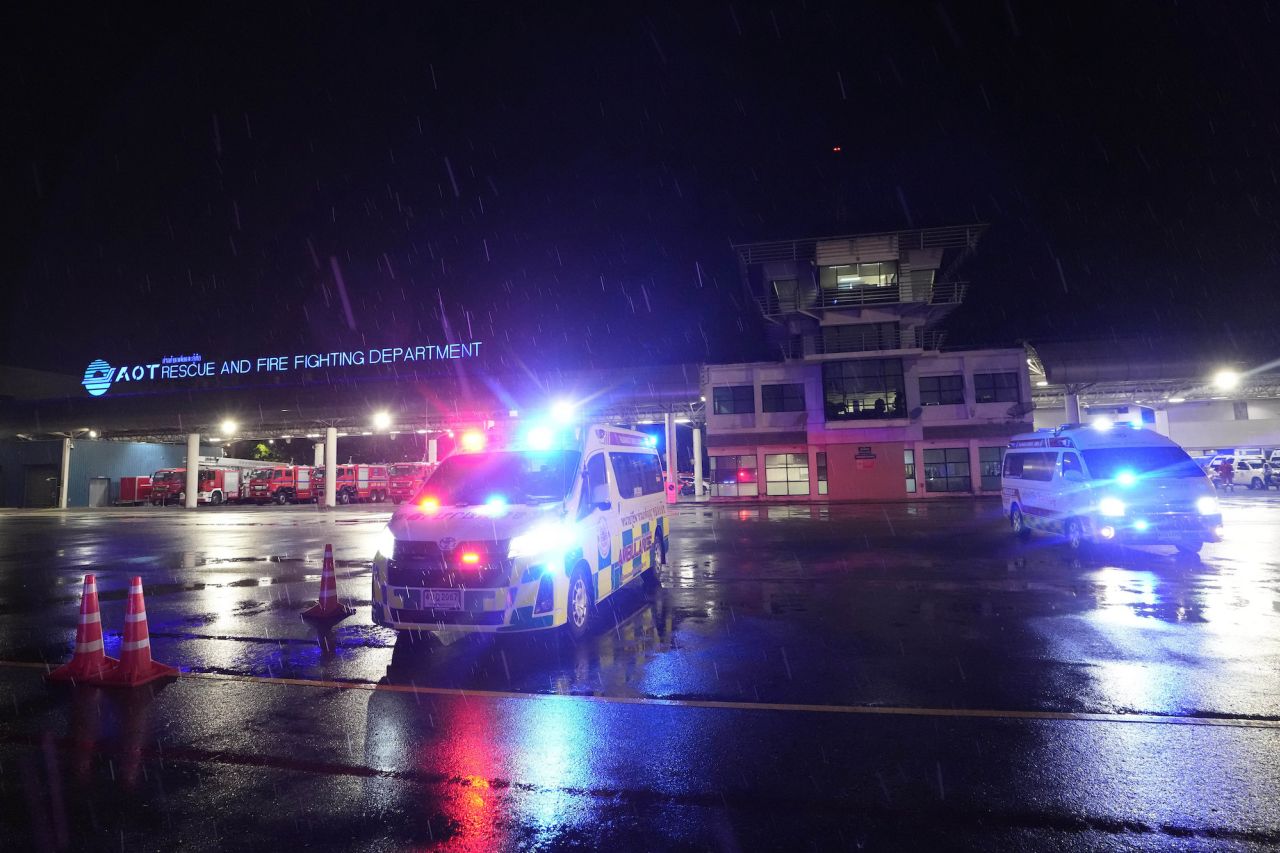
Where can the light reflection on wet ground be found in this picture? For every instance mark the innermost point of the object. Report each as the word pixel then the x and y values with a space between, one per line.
pixel 902 605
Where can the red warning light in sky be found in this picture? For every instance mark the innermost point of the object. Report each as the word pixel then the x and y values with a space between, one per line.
pixel 836 149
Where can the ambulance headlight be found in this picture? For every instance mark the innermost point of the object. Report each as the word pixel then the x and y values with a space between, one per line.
pixel 1208 505
pixel 1111 507
pixel 386 543
pixel 546 538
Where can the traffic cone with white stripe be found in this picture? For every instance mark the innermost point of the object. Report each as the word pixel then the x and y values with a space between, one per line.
pixel 136 666
pixel 89 659
pixel 328 608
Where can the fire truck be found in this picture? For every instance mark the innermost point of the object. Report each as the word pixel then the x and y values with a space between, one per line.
pixel 282 484
pixel 168 485
pixel 406 478
pixel 355 483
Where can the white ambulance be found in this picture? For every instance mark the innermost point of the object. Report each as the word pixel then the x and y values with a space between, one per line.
pixel 1108 483
pixel 530 535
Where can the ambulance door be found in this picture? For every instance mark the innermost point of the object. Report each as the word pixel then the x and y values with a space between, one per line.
pixel 597 521
pixel 1073 493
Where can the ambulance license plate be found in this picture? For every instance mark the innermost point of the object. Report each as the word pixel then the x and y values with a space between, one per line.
pixel 441 599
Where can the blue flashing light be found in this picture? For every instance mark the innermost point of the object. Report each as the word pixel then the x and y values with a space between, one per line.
pixel 1141 525
pixel 651 440
pixel 494 505
pixel 1126 478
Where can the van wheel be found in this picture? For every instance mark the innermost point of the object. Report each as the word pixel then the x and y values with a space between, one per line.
pixel 581 604
pixel 1018 523
pixel 1189 549
pixel 1074 532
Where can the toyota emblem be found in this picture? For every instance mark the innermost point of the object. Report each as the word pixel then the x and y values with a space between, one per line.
pixel 448 543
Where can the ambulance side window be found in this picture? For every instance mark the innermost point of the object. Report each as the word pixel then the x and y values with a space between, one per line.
pixel 1071 462
pixel 595 477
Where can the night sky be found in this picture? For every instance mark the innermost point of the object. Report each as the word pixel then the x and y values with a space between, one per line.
pixel 566 186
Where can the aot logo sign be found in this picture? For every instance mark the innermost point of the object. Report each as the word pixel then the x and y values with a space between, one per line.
pixel 99 376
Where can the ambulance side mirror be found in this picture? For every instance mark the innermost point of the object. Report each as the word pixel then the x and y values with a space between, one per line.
pixel 600 496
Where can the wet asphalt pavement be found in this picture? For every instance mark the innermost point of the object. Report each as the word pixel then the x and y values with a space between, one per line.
pixel 896 676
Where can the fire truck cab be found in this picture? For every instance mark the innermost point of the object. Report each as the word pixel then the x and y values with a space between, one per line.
pixel 406 478
pixel 281 484
pixel 355 483
pixel 168 485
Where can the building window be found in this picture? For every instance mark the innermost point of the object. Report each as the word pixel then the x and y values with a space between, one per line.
pixel 861 337
pixel 786 474
pixel 990 459
pixel 734 477
pixel 821 461
pixel 733 399
pixel 850 277
pixel 782 398
pixel 941 390
pixel 995 387
pixel 946 469
pixel 909 466
pixel 865 389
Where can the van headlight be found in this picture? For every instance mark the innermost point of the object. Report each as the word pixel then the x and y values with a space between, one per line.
pixel 1111 507
pixel 544 539
pixel 386 543
pixel 1208 505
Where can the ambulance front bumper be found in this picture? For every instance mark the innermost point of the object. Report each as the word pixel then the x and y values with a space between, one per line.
pixel 527 605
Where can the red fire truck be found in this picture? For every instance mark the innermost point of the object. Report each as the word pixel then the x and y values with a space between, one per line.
pixel 282 484
pixel 168 485
pixel 354 483
pixel 406 478
pixel 216 486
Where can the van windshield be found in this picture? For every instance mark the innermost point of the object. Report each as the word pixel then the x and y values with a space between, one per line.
pixel 1109 463
pixel 515 477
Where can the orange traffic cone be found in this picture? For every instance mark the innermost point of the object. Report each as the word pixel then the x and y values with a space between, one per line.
pixel 136 666
pixel 328 608
pixel 89 659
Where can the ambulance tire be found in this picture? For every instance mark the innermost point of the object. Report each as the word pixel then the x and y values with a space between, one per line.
pixel 1189 550
pixel 581 605
pixel 652 577
pixel 1018 523
pixel 1073 532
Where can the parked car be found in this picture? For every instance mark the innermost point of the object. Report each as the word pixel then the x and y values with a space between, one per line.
pixel 1250 471
pixel 686 485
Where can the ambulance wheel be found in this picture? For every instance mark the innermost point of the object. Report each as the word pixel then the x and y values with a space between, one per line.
pixel 581 604
pixel 651 577
pixel 1189 549
pixel 1074 533
pixel 1018 523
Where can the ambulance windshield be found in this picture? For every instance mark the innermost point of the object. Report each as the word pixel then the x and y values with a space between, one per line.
pixel 514 477
pixel 1110 463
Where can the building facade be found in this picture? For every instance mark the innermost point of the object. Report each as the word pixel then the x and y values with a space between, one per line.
pixel 864 402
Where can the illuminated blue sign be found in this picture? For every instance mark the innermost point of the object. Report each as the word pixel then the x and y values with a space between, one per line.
pixel 99 375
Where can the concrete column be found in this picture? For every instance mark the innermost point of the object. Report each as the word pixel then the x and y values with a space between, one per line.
pixel 670 440
pixel 433 450
pixel 193 470
pixel 1073 408
pixel 697 461
pixel 1162 421
pixel 319 456
pixel 64 479
pixel 331 467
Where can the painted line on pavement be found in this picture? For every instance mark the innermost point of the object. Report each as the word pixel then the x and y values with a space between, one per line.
pixel 867 710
